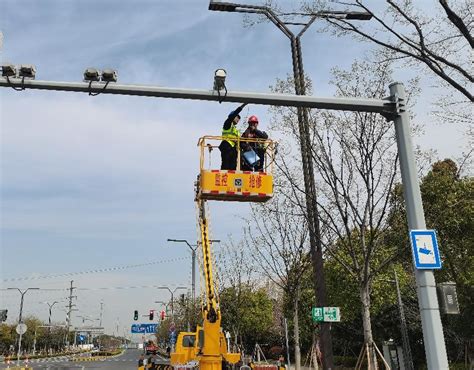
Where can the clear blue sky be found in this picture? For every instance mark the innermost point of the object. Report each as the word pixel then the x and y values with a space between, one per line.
pixel 89 183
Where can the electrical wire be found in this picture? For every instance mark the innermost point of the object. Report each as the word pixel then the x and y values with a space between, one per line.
pixel 17 88
pixel 108 269
pixel 127 287
pixel 98 93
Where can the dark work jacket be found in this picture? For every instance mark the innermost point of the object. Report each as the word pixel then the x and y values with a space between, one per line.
pixel 256 134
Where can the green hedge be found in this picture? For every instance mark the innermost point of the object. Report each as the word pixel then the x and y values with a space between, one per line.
pixel 14 357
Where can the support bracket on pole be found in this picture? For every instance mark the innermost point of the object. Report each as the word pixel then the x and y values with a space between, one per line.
pixel 394 108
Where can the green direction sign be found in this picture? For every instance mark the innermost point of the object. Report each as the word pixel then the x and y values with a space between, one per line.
pixel 318 314
pixel 332 314
pixel 326 314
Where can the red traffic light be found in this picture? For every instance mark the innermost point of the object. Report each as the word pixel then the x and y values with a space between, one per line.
pixel 162 315
pixel 152 313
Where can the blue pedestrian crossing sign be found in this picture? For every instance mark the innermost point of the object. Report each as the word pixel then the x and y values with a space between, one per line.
pixel 425 249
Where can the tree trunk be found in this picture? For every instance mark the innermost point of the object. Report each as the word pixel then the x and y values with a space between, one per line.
pixel 314 354
pixel 368 339
pixel 296 331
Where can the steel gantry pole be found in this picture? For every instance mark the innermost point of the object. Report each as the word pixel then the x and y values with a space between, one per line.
pixel 288 100
pixel 433 336
pixel 390 107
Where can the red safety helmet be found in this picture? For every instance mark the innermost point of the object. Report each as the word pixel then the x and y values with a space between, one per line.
pixel 253 119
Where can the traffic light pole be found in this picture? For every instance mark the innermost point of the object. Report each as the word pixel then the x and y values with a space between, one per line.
pixel 393 108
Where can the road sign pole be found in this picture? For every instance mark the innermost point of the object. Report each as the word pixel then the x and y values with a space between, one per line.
pixel 19 350
pixel 433 336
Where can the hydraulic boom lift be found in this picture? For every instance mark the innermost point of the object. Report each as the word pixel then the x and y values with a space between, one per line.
pixel 208 345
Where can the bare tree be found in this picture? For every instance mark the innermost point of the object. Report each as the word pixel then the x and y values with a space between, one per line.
pixel 236 271
pixel 356 158
pixel 278 233
pixel 437 36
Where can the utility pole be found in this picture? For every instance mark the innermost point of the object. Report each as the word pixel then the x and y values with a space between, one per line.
pixel 101 311
pixel 69 312
pixel 100 321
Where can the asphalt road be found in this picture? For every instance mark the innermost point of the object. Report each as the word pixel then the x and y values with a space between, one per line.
pixel 128 360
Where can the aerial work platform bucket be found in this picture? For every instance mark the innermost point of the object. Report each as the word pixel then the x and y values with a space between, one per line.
pixel 235 185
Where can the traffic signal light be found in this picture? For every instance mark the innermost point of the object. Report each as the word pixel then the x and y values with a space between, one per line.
pixel 152 313
pixel 135 315
pixel 3 315
pixel 162 315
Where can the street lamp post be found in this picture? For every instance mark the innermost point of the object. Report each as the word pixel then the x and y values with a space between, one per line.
pixel 304 134
pixel 193 248
pixel 172 304
pixel 164 304
pixel 20 319
pixel 50 305
pixel 172 297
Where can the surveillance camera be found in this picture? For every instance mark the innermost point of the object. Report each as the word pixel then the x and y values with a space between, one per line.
pixel 219 79
pixel 27 70
pixel 91 74
pixel 109 75
pixel 8 70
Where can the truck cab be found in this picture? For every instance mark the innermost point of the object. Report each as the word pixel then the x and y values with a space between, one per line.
pixel 150 348
pixel 186 349
pixel 190 344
